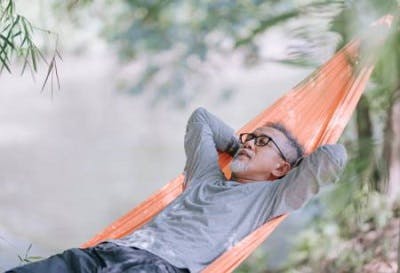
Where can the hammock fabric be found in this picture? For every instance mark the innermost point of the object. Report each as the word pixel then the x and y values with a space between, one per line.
pixel 316 111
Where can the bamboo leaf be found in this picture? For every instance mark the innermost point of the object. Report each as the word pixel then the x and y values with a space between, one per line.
pixel 4 64
pixel 17 34
pixel 32 258
pixel 48 74
pixel 41 56
pixel 27 24
pixel 57 76
pixel 20 258
pixel 24 40
pixel 16 21
pixel 59 55
pixel 24 65
pixel 6 27
pixel 10 7
pixel 27 250
pixel 25 27
pixel 33 57
pixel 7 41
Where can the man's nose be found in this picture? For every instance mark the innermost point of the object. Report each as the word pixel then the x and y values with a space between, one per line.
pixel 249 144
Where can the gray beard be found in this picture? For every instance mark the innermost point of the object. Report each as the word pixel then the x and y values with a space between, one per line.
pixel 238 166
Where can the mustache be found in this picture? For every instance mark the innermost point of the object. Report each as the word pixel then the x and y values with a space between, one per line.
pixel 246 152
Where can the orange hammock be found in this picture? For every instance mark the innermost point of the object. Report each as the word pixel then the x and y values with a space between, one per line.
pixel 316 111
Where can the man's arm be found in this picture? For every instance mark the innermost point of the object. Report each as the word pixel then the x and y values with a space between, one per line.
pixel 205 135
pixel 322 167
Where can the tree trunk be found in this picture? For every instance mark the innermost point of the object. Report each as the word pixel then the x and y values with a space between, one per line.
pixel 391 185
pixel 368 171
pixel 392 155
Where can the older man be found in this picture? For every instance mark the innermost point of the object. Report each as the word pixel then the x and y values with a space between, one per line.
pixel 214 212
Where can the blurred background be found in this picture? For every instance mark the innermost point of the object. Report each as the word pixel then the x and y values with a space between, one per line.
pixel 95 95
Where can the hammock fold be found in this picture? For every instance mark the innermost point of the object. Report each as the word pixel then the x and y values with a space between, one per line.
pixel 316 111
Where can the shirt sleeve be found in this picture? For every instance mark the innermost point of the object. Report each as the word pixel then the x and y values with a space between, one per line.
pixel 320 168
pixel 205 136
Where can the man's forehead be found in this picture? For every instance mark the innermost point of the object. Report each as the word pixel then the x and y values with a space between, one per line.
pixel 277 135
pixel 267 130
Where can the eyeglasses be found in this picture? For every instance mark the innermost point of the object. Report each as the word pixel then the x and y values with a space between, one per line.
pixel 260 140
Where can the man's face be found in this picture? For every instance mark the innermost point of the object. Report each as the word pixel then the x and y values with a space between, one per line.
pixel 260 163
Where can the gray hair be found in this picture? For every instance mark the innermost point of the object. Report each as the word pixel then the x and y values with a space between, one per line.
pixel 292 141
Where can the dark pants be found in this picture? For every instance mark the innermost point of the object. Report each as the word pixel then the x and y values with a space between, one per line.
pixel 106 257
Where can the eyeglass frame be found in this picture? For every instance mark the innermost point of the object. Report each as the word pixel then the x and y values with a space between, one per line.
pixel 256 137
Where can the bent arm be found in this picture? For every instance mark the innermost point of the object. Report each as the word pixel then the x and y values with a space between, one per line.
pixel 320 168
pixel 205 135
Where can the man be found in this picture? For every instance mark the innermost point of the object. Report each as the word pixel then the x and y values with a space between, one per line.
pixel 213 213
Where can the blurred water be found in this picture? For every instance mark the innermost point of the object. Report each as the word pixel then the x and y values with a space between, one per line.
pixel 72 164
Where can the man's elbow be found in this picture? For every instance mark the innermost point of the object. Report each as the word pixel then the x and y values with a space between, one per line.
pixel 337 154
pixel 199 114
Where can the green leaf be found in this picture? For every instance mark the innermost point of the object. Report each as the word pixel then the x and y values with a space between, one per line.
pixel 7 41
pixel 26 59
pixel 4 64
pixel 33 57
pixel 32 258
pixel 20 258
pixel 16 21
pixel 17 34
pixel 48 73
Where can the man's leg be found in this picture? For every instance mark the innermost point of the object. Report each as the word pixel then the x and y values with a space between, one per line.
pixel 70 261
pixel 153 268
pixel 121 259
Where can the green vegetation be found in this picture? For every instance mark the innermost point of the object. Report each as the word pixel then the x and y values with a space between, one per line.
pixel 27 258
pixel 177 40
pixel 23 258
pixel 17 44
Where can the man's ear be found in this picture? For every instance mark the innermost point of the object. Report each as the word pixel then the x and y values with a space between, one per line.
pixel 281 169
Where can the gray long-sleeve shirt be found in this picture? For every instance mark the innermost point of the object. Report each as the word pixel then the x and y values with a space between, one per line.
pixel 213 213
